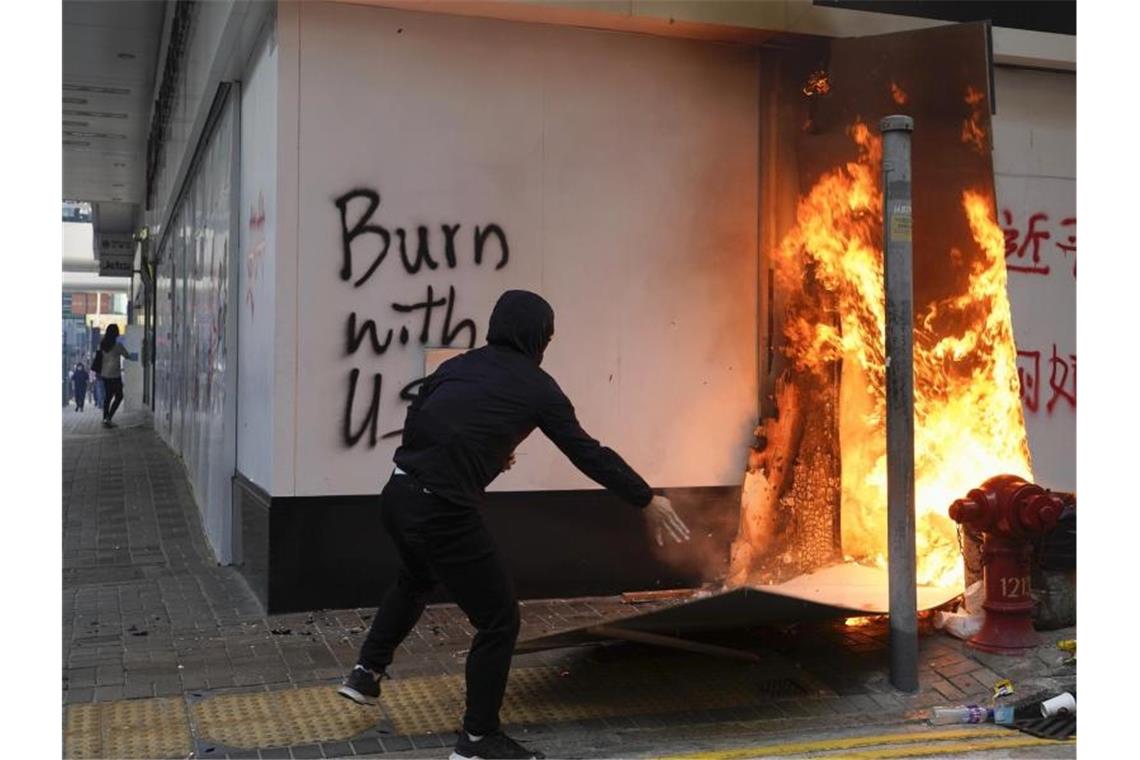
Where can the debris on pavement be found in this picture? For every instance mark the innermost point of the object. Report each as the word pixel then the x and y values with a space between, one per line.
pixel 1062 704
pixel 967 620
pixel 1003 688
pixel 942 716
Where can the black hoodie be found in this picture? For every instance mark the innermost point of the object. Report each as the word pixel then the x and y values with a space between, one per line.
pixel 473 411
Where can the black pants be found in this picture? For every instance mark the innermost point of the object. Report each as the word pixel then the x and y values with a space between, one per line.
pixel 442 542
pixel 112 396
pixel 80 396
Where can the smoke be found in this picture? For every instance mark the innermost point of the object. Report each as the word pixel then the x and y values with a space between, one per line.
pixel 713 515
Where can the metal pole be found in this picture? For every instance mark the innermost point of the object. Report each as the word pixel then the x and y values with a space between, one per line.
pixel 897 270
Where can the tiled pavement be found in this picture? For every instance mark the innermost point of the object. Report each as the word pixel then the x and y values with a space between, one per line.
pixel 147 612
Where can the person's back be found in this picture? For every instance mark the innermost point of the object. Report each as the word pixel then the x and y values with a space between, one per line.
pixel 112 366
pixel 472 413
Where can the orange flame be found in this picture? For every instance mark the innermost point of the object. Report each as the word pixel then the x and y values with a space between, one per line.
pixel 898 94
pixel 968 418
pixel 972 132
pixel 859 622
pixel 818 83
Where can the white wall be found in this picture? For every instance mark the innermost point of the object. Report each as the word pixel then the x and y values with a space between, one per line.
pixel 132 370
pixel 623 171
pixel 255 296
pixel 193 381
pixel 1035 174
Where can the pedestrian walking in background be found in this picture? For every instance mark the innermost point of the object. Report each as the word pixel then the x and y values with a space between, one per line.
pixel 108 363
pixel 91 387
pixel 79 385
pixel 461 432
pixel 96 385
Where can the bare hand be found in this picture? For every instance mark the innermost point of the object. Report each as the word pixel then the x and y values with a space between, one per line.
pixel 665 521
pixel 510 462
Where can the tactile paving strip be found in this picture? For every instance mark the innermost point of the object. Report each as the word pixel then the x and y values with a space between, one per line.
pixel 139 728
pixel 551 695
pixel 153 728
pixel 281 718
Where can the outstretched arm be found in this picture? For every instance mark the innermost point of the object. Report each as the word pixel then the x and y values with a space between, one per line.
pixel 559 423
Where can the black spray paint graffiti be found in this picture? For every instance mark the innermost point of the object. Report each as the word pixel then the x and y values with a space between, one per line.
pixel 363 226
pixel 354 335
pixel 364 237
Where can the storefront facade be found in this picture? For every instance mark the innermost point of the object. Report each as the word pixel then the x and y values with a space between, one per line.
pixel 367 179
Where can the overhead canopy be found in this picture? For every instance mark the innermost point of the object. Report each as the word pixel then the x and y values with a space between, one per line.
pixel 110 53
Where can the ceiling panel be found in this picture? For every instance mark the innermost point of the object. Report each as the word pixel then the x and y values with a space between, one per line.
pixel 110 52
pixel 115 217
pixel 93 51
pixel 125 14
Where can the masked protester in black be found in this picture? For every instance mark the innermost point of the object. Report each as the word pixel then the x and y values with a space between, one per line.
pixel 460 433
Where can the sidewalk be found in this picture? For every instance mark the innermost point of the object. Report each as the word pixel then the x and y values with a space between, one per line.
pixel 166 654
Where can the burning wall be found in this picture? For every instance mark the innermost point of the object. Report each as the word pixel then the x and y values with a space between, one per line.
pixel 815 490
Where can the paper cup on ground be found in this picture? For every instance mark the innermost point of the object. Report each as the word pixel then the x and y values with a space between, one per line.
pixel 1062 703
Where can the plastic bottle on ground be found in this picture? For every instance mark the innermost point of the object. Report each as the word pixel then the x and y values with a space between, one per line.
pixel 964 714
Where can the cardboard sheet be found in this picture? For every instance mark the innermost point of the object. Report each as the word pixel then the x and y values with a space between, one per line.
pixel 843 590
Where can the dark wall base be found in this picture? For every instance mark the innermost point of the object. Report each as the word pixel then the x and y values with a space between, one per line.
pixel 251 535
pixel 329 552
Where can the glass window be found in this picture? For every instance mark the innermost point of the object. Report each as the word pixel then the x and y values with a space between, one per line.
pixel 76 211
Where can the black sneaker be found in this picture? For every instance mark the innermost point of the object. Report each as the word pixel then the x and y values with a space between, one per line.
pixel 491 747
pixel 362 686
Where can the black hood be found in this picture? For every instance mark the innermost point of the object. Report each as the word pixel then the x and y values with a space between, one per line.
pixel 523 321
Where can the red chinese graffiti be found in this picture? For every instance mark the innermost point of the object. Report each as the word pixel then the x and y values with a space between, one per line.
pixel 1031 242
pixel 1070 246
pixel 1023 248
pixel 1059 380
pixel 1028 376
pixel 1062 380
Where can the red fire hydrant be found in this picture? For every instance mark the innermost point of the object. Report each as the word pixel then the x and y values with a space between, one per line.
pixel 1009 512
